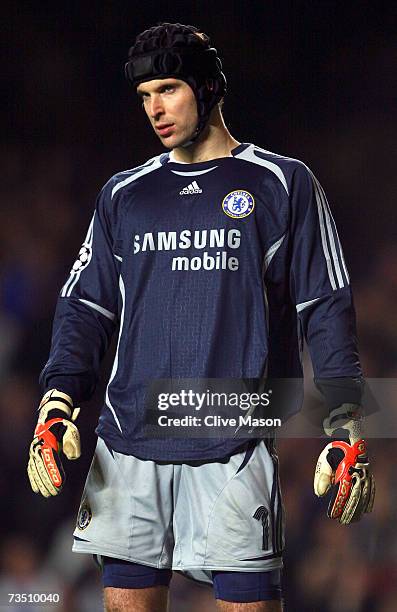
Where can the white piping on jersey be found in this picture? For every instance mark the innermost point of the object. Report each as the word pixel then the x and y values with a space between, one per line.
pixel 116 358
pixel 330 233
pixel 271 252
pixel 332 229
pixel 249 155
pixel 341 255
pixel 145 170
pixel 118 257
pixel 75 275
pixel 106 313
pixel 194 173
pixel 303 305
pixel 324 212
pixel 324 238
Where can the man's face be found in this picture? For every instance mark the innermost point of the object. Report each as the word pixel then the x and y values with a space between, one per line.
pixel 171 107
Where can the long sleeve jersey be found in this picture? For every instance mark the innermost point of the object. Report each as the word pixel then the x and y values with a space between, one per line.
pixel 216 269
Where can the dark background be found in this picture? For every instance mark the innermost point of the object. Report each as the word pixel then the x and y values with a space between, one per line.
pixel 312 80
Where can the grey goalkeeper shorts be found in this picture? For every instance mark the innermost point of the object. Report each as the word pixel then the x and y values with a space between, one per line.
pixel 189 517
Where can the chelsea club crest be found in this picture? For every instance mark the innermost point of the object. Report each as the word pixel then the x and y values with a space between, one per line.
pixel 84 516
pixel 238 204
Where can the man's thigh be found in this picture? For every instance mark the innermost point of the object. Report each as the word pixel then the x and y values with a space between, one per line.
pixel 134 587
pixel 146 587
pixel 154 599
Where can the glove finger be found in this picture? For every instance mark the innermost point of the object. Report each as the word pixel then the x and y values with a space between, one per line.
pixel 331 511
pixel 71 445
pixel 359 511
pixel 322 484
pixel 32 470
pixel 366 492
pixel 353 506
pixel 371 494
pixel 44 480
pixel 323 474
pixel 367 496
pixel 35 474
pixel 366 500
pixel 32 479
pixel 43 475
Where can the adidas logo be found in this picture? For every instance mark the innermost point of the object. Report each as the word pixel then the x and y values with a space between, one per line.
pixel 192 188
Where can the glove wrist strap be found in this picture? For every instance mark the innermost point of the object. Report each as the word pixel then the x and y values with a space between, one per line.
pixel 55 400
pixel 347 417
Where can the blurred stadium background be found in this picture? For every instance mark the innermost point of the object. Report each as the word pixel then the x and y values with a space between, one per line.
pixel 311 80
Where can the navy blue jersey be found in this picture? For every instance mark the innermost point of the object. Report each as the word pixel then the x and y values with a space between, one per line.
pixel 216 269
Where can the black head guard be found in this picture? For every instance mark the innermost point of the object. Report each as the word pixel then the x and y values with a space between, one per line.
pixel 182 52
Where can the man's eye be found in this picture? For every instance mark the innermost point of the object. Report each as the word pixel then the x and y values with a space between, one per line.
pixel 168 88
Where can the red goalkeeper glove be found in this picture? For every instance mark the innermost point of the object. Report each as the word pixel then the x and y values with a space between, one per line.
pixel 55 432
pixel 344 468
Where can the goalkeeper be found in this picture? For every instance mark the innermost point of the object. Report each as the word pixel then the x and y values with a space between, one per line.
pixel 213 259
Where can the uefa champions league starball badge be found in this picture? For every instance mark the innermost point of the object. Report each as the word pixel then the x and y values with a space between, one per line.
pixel 238 204
pixel 83 258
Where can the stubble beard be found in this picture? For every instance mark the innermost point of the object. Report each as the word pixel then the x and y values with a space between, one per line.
pixel 181 141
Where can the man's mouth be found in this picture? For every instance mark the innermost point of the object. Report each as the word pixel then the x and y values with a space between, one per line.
pixel 164 129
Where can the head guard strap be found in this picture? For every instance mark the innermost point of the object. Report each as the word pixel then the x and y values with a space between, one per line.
pixel 183 63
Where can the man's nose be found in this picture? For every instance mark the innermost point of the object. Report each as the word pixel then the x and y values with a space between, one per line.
pixel 156 107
